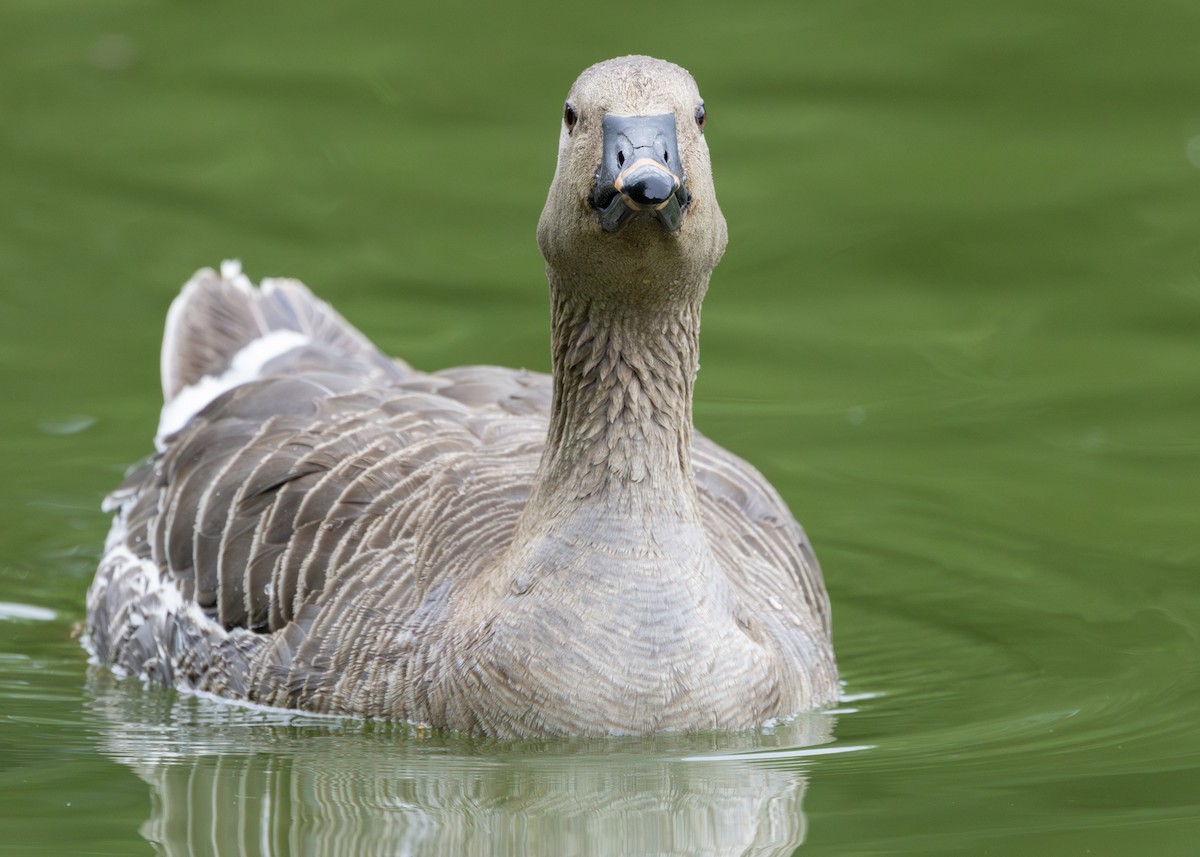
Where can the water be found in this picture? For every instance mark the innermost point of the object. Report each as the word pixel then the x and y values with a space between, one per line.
pixel 957 327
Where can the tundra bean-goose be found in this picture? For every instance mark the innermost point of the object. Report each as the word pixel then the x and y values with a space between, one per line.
pixel 481 549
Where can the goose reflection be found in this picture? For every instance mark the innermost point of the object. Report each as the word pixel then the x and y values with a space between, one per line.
pixel 235 781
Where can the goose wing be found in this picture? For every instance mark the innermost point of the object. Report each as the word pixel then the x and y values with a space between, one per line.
pixel 275 470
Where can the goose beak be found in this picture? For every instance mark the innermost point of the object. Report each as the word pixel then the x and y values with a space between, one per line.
pixel 640 172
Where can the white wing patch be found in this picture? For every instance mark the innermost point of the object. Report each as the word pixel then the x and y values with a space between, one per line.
pixel 245 367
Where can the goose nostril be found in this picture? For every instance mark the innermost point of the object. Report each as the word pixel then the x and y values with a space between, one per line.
pixel 620 159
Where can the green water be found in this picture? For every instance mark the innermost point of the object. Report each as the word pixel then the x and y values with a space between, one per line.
pixel 958 326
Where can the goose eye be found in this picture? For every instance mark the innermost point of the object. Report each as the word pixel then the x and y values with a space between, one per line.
pixel 570 117
pixel 701 118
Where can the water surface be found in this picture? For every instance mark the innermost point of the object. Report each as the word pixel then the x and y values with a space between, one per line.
pixel 958 326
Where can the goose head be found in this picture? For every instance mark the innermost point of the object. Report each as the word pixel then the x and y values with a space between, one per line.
pixel 631 213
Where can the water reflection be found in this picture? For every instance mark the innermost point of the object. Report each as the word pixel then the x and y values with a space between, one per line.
pixel 230 780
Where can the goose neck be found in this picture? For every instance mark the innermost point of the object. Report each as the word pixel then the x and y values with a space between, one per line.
pixel 621 420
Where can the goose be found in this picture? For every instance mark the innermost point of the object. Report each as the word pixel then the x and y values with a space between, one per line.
pixel 478 549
